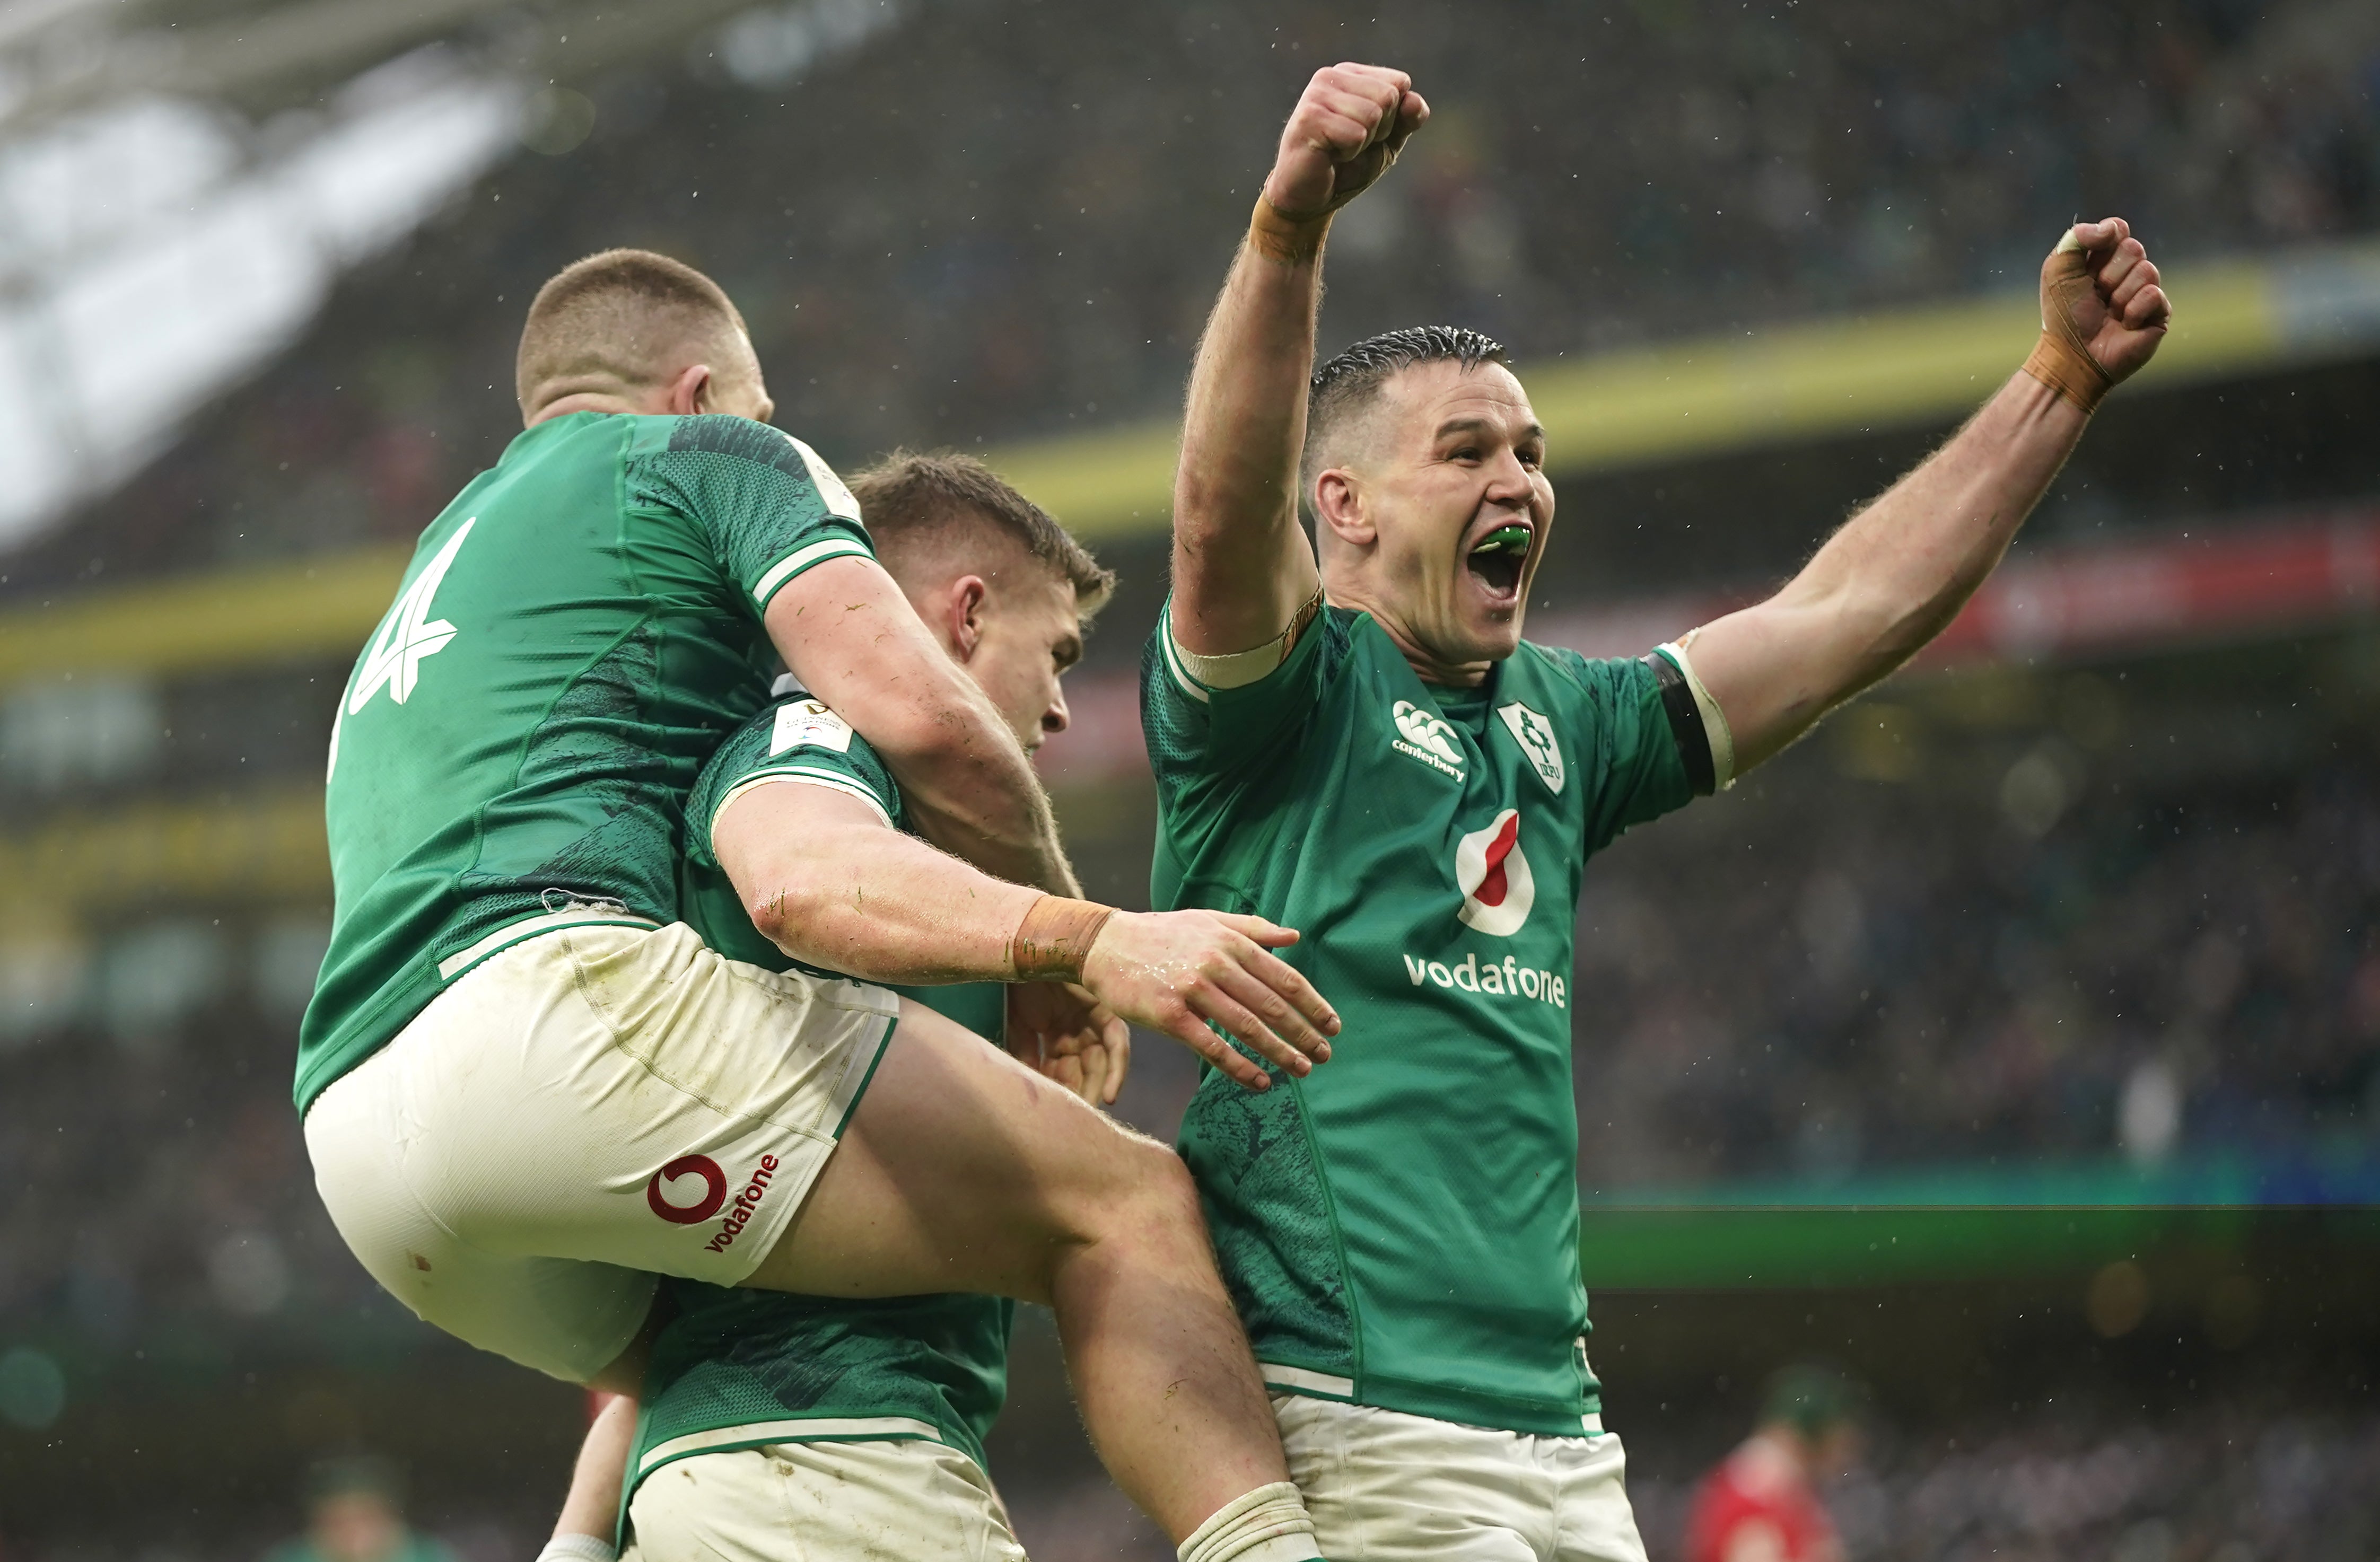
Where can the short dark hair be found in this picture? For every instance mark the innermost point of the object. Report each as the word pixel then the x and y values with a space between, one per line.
pixel 606 317
pixel 909 498
pixel 1811 1399
pixel 1346 384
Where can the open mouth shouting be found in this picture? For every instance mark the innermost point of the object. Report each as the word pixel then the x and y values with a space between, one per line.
pixel 1497 557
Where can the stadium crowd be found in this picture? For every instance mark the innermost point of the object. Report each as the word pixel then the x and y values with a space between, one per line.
pixel 1916 979
pixel 978 275
pixel 2231 1485
pixel 1911 979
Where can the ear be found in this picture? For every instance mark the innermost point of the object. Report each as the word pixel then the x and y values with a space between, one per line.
pixel 690 392
pixel 969 601
pixel 1339 505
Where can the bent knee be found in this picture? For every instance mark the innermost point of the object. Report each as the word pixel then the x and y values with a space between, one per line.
pixel 1148 1196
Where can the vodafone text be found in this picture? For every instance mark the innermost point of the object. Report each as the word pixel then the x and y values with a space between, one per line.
pixel 1511 979
pixel 745 1203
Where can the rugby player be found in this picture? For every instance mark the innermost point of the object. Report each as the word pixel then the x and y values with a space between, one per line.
pixel 1361 743
pixel 529 1089
pixel 857 1426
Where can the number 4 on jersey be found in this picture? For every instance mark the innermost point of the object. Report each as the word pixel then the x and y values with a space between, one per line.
pixel 406 634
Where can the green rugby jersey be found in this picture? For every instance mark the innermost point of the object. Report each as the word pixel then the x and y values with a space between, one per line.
pixel 575 635
pixel 737 1369
pixel 1400 1228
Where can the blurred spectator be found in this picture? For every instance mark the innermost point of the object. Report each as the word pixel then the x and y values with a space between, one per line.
pixel 355 1513
pixel 1762 1503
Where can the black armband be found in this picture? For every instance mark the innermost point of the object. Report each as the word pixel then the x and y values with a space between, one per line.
pixel 1685 724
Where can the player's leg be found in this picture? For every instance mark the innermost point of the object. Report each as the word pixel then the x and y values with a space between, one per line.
pixel 820 1501
pixel 961 1169
pixel 1389 1487
pixel 1597 1524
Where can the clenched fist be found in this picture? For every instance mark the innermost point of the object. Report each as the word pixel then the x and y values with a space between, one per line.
pixel 1347 128
pixel 2102 311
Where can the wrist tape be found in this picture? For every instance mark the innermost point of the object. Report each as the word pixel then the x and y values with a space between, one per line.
pixel 2062 359
pixel 577 1548
pixel 1055 938
pixel 1290 240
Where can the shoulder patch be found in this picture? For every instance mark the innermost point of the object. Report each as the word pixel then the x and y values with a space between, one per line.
pixel 740 437
pixel 807 723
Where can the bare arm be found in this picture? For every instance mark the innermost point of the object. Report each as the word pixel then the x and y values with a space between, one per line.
pixel 593 1507
pixel 1241 568
pixel 1897 572
pixel 829 882
pixel 852 638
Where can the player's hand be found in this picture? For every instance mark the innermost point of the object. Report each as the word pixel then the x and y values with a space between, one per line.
pixel 2100 278
pixel 1175 971
pixel 1065 1034
pixel 1346 130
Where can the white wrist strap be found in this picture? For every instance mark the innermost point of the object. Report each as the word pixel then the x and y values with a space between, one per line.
pixel 577 1548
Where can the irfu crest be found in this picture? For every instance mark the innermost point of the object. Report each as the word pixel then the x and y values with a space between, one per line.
pixel 1535 737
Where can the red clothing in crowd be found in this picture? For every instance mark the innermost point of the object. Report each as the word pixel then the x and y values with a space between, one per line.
pixel 1758 1506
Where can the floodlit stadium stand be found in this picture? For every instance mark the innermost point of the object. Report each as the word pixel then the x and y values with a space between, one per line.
pixel 2055 954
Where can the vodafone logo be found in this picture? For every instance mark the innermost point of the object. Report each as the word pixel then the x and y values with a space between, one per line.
pixel 714 1190
pixel 1493 873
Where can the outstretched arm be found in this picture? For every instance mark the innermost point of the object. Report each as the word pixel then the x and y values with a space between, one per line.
pixel 1241 568
pixel 1897 573
pixel 826 879
pixel 851 637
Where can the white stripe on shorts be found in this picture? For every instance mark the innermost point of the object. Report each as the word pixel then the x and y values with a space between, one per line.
pixel 512 933
pixel 800 1430
pixel 1298 1377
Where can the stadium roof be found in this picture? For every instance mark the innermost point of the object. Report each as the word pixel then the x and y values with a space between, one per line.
pixel 182 180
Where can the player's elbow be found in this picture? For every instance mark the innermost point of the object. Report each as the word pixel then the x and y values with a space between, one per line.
pixel 791 916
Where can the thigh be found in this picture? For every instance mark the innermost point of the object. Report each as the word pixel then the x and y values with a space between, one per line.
pixel 561 1317
pixel 1385 1487
pixel 625 1096
pixel 960 1170
pixel 820 1501
pixel 1594 1519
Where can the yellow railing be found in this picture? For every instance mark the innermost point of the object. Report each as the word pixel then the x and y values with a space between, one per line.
pixel 1894 368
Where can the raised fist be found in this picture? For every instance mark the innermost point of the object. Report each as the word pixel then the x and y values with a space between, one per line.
pixel 1348 126
pixel 2099 290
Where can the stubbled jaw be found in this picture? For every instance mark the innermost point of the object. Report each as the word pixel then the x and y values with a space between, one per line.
pixel 1496 556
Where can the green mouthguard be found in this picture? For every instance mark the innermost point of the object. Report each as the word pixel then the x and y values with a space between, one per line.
pixel 1504 539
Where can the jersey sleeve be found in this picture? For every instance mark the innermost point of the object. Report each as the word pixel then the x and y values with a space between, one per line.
pixel 1637 770
pixel 766 502
pixel 1194 729
pixel 799 741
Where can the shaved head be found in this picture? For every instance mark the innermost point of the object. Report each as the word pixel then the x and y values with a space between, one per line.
pixel 628 322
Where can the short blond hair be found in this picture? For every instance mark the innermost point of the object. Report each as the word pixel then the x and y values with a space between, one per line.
pixel 619 320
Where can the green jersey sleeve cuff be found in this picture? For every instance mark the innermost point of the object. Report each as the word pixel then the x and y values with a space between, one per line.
pixel 808 556
pixel 806 775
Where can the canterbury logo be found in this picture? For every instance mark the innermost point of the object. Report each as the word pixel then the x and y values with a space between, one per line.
pixel 1427 737
pixel 1493 873
pixel 714 1190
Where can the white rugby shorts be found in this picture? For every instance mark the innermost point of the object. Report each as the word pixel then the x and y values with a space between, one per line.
pixel 822 1501
pixel 589 1106
pixel 1382 1487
